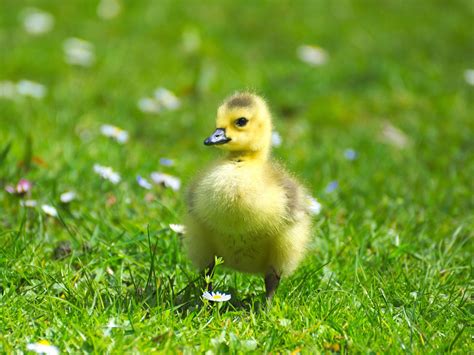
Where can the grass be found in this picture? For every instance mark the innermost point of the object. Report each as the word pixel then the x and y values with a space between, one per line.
pixel 390 266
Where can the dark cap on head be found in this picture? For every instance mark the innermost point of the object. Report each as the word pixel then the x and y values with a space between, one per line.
pixel 240 100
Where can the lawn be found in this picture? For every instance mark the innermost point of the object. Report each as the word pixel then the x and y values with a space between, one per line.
pixel 381 132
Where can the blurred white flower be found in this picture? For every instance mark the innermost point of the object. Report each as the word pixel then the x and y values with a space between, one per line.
pixel 31 88
pixel 350 154
pixel 312 55
pixel 163 99
pixel 67 197
pixel 79 52
pixel 143 183
pixel 394 136
pixel 276 139
pixel 314 206
pixel 216 296
pixel 43 347
pixel 37 22
pixel 166 162
pixel 469 76
pixel 110 325
pixel 284 322
pixel 166 180
pixel 114 132
pixel 108 9
pixel 167 99
pixel 107 173
pixel 178 228
pixel 28 203
pixel 49 210
pixel 148 105
pixel 7 89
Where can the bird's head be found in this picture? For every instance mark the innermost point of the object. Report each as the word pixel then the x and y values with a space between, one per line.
pixel 243 125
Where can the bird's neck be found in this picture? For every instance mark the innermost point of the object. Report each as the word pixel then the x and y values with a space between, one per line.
pixel 240 156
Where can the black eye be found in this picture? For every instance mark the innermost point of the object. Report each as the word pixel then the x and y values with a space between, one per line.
pixel 240 122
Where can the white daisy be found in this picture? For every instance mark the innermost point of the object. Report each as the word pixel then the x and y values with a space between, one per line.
pixel 79 52
pixel 178 228
pixel 469 76
pixel 144 183
pixel 37 22
pixel 216 296
pixel 394 136
pixel 314 206
pixel 167 98
pixel 312 55
pixel 166 180
pixel 149 105
pixel 31 88
pixel 28 203
pixel 67 197
pixel 108 9
pixel 43 347
pixel 114 132
pixel 107 173
pixel 49 210
pixel 276 139
pixel 110 325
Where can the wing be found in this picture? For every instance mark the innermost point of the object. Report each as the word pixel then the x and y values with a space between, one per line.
pixel 296 195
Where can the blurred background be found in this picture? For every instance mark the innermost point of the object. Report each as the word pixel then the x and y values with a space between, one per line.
pixel 373 104
pixel 388 81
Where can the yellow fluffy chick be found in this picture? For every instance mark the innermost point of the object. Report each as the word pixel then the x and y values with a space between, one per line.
pixel 245 208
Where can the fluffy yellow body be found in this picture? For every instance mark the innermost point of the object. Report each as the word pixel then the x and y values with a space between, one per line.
pixel 247 210
pixel 240 211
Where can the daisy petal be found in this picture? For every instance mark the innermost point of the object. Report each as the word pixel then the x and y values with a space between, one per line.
pixel 28 203
pixel 314 206
pixel 312 55
pixel 166 180
pixel 79 52
pixel 107 173
pixel 49 210
pixel 178 228
pixel 276 139
pixel 37 22
pixel 216 296
pixel 469 76
pixel 114 132
pixel 149 105
pixel 167 99
pixel 43 347
pixel 31 89
pixel 67 197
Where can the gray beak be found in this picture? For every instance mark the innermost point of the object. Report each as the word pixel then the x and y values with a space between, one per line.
pixel 218 137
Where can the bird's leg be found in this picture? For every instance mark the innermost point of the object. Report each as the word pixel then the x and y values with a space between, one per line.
pixel 208 272
pixel 272 280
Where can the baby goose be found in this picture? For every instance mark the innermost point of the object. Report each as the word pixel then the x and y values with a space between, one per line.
pixel 245 208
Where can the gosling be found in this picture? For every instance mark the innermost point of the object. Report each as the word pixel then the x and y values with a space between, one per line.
pixel 245 207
